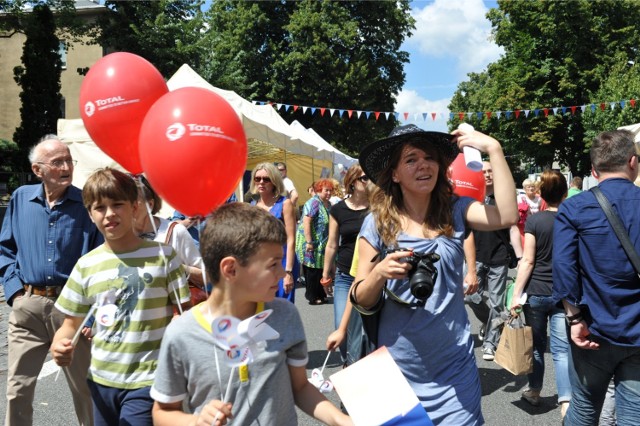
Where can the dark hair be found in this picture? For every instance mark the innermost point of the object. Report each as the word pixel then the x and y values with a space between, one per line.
pixel 553 187
pixel 237 230
pixel 148 194
pixel 610 151
pixel 577 182
pixel 280 163
pixel 353 173
pixel 109 183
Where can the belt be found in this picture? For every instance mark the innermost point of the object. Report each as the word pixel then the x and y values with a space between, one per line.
pixel 44 291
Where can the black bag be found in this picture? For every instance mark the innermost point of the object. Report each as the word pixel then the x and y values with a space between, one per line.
pixel 370 321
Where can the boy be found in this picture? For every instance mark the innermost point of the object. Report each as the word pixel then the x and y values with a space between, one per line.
pixel 242 252
pixel 133 285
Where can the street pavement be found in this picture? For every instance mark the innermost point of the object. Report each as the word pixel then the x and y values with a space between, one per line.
pixel 501 403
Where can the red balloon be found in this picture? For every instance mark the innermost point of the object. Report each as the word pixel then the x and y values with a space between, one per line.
pixel 465 181
pixel 193 149
pixel 115 96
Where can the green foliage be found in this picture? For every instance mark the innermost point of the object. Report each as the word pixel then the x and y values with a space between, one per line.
pixel 39 78
pixel 167 33
pixel 556 54
pixel 345 55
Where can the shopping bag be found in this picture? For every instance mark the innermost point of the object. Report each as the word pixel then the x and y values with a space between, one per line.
pixel 515 349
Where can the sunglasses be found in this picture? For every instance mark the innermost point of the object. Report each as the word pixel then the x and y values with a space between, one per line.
pixel 258 179
pixel 363 179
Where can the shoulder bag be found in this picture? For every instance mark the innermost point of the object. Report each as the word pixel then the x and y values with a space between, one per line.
pixel 618 228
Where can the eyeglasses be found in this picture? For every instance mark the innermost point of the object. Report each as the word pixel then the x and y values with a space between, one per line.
pixel 56 164
pixel 282 170
pixel 258 179
pixel 363 178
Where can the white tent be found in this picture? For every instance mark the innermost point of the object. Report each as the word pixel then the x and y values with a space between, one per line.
pixel 269 137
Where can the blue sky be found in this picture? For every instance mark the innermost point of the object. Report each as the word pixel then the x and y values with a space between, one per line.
pixel 451 39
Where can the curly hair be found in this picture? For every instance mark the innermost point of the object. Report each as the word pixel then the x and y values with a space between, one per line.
pixel 387 203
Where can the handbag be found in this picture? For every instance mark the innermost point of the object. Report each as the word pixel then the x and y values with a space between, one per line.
pixel 515 349
pixel 618 228
pixel 198 294
pixel 370 321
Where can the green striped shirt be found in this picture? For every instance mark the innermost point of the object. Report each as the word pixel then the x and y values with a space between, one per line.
pixel 143 285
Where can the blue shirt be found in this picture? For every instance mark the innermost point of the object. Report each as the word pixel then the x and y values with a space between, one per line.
pixel 590 267
pixel 40 245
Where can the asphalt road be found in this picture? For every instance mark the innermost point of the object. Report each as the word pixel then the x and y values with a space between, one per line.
pixel 501 403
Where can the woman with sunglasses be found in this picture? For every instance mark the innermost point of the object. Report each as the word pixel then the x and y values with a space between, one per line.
pixel 311 240
pixel 345 221
pixel 271 195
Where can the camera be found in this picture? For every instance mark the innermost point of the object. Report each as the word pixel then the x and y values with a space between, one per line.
pixel 423 273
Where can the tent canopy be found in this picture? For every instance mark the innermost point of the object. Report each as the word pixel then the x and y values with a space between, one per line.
pixel 269 139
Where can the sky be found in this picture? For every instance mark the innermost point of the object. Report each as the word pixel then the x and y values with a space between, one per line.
pixel 451 39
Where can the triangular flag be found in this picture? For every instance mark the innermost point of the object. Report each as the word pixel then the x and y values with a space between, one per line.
pixel 593 107
pixel 424 116
pixel 340 113
pixel 367 114
pixel 517 113
pixel 286 108
pixel 461 116
pixel 377 114
pixel 406 116
pixel 573 110
pixel 555 110
pixel 331 112
pixel 632 102
pixel 622 104
pixel 304 109
pixel 508 114
pixel 488 115
pixel 526 112
pixel 536 112
pixel 313 110
pixel 278 106
pixel 602 106
pixel 546 111
pixel 322 110
pixel 349 112
pixel 469 115
pixel 498 114
pixel 582 108
pixel 564 109
pixel 358 114
pixel 295 108
pixel 450 116
pixel 612 105
pixel 386 115
pixel 433 116
pixel 396 115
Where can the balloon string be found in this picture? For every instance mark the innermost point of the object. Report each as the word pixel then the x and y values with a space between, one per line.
pixel 155 231
pixel 226 394
pixel 204 273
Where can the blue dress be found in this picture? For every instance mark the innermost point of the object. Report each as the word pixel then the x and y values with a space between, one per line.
pixel 432 344
pixel 276 210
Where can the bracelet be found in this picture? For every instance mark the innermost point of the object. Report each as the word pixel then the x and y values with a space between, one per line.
pixel 574 317
pixel 288 271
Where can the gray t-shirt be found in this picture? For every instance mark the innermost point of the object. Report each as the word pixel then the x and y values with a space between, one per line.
pixel 187 368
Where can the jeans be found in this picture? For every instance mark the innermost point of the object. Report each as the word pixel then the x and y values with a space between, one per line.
pixel 492 283
pixel 121 407
pixel 594 369
pixel 342 284
pixel 538 311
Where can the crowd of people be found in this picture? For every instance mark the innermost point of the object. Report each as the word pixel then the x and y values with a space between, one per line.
pixel 106 286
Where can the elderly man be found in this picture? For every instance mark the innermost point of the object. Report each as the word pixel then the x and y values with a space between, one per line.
pixel 45 230
pixel 288 183
pixel 599 287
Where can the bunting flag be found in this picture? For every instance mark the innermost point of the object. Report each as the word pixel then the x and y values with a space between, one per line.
pixel 513 114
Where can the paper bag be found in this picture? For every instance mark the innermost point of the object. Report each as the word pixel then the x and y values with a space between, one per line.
pixel 515 350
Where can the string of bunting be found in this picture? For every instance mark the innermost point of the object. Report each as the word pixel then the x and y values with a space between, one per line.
pixel 508 115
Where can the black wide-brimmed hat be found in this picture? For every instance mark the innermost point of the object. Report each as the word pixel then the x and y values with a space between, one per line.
pixel 376 156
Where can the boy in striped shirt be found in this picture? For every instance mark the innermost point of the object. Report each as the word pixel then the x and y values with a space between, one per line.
pixel 133 284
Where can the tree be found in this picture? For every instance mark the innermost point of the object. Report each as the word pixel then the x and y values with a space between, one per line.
pixel 556 54
pixel 344 55
pixel 39 78
pixel 167 33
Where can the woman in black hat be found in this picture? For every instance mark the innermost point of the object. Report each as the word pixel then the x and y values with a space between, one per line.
pixel 414 239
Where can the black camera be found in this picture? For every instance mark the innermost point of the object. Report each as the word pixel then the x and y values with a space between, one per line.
pixel 423 273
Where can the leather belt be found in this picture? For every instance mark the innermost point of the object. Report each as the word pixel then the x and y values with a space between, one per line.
pixel 44 291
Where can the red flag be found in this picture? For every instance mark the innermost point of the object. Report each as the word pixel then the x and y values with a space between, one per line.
pixel 546 112
pixel 295 108
pixel 602 106
pixel 322 112
pixel 349 112
pixel 433 116
pixel 632 102
pixel 517 112
pixel 406 116
pixel 573 110
pixel 377 114
pixel 488 115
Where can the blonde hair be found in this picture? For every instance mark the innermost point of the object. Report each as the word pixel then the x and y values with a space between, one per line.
pixel 273 174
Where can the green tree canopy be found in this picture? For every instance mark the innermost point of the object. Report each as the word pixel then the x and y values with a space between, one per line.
pixel 556 54
pixel 345 55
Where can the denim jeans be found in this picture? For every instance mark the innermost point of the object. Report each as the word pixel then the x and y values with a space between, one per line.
pixel 594 369
pixel 341 287
pixel 538 311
